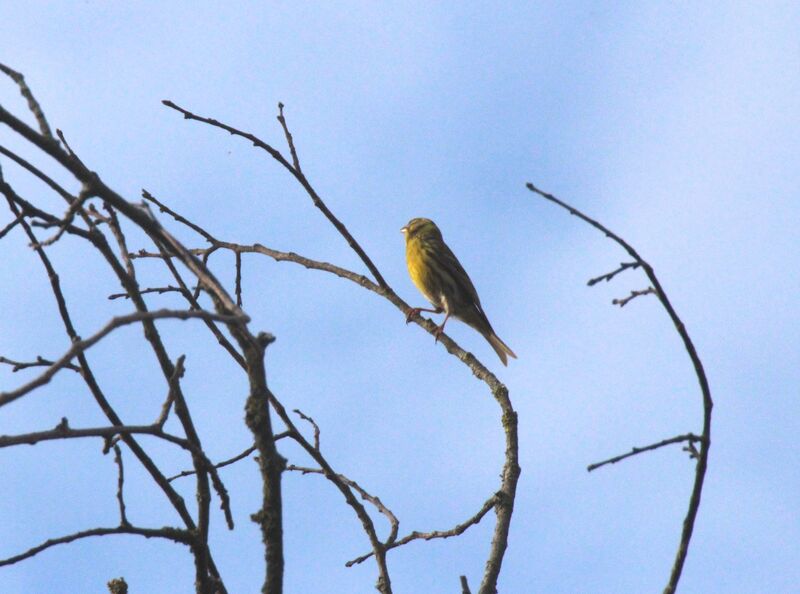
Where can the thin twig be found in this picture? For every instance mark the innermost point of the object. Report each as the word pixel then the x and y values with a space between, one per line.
pixel 455 531
pixel 64 431
pixel 73 155
pixel 299 176
pixel 116 230
pixel 690 437
pixel 634 294
pixel 123 518
pixel 260 393
pixel 195 305
pixel 239 279
pixel 608 276
pixel 289 139
pixel 173 534
pixel 313 423
pixel 159 290
pixel 75 207
pixel 383 585
pixel 82 345
pixel 40 362
pixel 228 462
pixel 33 104
pixel 165 209
pixel 39 174
pixel 464 585
pixel 140 254
pixel 11 225
pixel 373 499
pixel 177 374
pixel 86 372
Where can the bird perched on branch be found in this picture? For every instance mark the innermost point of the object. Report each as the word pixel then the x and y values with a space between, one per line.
pixel 442 280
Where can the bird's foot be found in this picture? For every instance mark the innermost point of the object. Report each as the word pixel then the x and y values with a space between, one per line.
pixel 414 311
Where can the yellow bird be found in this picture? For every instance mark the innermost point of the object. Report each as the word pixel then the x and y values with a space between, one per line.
pixel 442 280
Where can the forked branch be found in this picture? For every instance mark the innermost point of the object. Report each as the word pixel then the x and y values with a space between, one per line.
pixel 708 404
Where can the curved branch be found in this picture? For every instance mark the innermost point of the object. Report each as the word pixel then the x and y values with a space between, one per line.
pixel 207 574
pixel 366 496
pixel 64 431
pixel 690 437
pixel 82 345
pixel 383 585
pixel 296 172
pixel 33 104
pixel 173 534
pixel 199 549
pixel 416 535
pixel 708 404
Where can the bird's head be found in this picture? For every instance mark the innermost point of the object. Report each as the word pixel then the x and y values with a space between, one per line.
pixel 421 228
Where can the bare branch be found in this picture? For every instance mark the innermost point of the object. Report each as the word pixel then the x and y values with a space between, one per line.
pixel 195 305
pixel 313 423
pixel 464 585
pixel 383 585
pixel 229 461
pixel 72 155
pixel 299 176
pixel 708 404
pixel 33 104
pixel 634 294
pixel 374 500
pixel 690 437
pixel 86 372
pixel 11 225
pixel 123 518
pixel 82 345
pixel 608 276
pixel 165 209
pixel 159 290
pixel 260 398
pixel 206 571
pixel 64 431
pixel 455 531
pixel 39 174
pixel 75 207
pixel 174 388
pixel 289 139
pixel 239 279
pixel 142 254
pixel 40 362
pixel 116 230
pixel 173 534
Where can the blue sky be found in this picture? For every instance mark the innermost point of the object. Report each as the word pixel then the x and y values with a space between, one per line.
pixel 676 124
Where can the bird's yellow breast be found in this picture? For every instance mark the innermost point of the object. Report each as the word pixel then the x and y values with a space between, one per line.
pixel 419 269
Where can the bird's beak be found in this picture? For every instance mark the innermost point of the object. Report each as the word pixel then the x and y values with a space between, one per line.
pixel 403 230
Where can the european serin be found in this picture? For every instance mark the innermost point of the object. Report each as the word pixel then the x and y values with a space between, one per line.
pixel 439 276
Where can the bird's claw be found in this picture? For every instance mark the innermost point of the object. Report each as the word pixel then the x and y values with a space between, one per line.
pixel 414 311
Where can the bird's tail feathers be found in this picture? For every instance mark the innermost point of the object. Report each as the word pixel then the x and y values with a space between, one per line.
pixel 500 347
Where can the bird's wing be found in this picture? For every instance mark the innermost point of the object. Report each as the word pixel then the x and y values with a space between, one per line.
pixel 469 308
pixel 460 276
